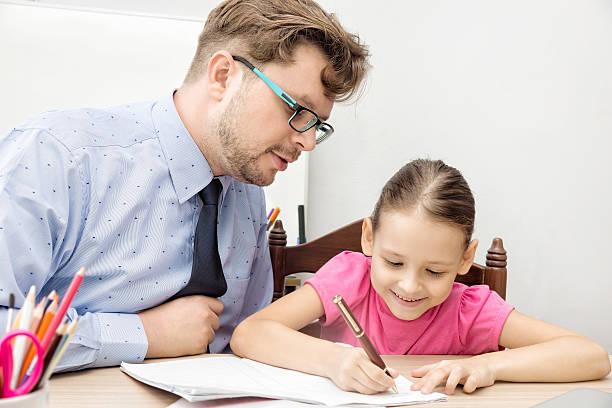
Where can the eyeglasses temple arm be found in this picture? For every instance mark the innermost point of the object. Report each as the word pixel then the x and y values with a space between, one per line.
pixel 277 90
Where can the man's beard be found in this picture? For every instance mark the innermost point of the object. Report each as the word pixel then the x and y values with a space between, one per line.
pixel 240 161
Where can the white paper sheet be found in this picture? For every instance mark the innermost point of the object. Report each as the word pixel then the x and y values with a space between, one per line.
pixel 212 378
pixel 247 402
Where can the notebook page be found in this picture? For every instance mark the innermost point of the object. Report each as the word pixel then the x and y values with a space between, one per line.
pixel 228 376
pixel 328 393
pixel 212 377
pixel 250 402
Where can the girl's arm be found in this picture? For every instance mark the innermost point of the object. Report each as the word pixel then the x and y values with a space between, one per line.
pixel 537 352
pixel 271 336
pixel 542 352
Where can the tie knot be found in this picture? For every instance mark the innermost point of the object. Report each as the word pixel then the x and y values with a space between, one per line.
pixel 210 193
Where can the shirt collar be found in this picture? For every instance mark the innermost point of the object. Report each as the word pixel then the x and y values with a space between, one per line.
pixel 189 170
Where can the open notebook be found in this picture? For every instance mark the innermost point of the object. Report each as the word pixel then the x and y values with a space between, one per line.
pixel 208 378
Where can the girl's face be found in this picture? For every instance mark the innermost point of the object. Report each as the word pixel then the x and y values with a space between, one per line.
pixel 415 260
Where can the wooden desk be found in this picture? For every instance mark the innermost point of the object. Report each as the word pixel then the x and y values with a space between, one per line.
pixel 109 387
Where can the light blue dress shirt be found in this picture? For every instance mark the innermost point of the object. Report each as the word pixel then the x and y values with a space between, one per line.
pixel 115 190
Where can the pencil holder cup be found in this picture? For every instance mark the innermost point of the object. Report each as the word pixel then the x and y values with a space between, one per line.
pixel 35 399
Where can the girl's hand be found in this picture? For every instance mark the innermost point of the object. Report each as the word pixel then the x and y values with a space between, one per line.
pixel 471 372
pixel 353 371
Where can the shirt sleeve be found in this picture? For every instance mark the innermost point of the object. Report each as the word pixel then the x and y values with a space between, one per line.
pixel 41 210
pixel 346 274
pixel 43 204
pixel 482 315
pixel 104 339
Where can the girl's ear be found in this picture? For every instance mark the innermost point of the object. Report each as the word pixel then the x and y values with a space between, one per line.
pixel 468 257
pixel 367 237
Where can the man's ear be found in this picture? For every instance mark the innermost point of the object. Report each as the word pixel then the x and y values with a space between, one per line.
pixel 221 72
pixel 468 257
pixel 367 237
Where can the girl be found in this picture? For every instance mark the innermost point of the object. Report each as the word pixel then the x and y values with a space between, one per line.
pixel 402 291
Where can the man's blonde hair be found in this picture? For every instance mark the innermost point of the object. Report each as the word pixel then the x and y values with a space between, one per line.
pixel 269 30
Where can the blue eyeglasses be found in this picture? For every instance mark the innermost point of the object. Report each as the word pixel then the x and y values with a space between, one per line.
pixel 303 118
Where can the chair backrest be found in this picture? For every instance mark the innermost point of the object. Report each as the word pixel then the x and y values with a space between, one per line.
pixel 309 257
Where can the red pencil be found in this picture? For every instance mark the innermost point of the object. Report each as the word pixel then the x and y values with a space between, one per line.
pixel 61 310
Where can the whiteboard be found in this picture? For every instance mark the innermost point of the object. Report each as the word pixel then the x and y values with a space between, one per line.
pixel 62 58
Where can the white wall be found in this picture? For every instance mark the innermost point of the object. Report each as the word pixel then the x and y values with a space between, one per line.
pixel 518 96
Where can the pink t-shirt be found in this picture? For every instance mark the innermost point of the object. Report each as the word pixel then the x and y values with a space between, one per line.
pixel 469 321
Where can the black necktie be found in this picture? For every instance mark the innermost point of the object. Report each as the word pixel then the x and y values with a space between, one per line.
pixel 206 272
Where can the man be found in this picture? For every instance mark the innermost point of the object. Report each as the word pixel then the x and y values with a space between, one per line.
pixel 129 192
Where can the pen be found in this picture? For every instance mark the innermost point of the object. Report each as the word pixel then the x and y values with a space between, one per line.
pixel 363 338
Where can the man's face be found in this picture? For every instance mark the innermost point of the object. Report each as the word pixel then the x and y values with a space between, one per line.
pixel 255 137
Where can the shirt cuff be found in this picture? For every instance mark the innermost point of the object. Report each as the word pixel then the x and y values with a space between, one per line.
pixel 122 338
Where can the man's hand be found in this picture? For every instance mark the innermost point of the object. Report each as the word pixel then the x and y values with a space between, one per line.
pixel 183 326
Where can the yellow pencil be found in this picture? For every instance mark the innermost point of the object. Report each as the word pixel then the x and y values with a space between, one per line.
pixel 15 324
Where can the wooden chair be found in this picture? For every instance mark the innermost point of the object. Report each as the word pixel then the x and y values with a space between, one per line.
pixel 309 257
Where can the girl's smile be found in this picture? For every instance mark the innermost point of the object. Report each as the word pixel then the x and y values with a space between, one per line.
pixel 407 301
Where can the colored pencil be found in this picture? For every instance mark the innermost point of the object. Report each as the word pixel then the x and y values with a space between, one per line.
pixel 15 324
pixel 273 218
pixel 61 348
pixel 50 298
pixel 36 318
pixel 55 340
pixel 42 302
pixel 20 342
pixel 61 311
pixel 46 320
pixel 42 328
pixel 52 295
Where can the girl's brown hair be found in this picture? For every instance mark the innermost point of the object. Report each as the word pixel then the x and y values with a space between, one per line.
pixel 269 30
pixel 438 189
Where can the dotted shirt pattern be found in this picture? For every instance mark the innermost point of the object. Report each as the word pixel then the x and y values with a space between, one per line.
pixel 115 190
